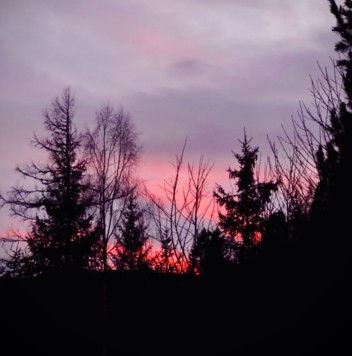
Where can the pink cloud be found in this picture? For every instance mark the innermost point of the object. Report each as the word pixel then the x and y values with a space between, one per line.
pixel 155 44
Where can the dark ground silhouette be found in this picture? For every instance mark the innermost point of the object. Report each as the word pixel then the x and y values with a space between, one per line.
pixel 247 311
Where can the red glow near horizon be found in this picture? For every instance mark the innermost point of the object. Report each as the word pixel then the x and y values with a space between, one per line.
pixel 155 257
pixel 157 171
pixel 159 176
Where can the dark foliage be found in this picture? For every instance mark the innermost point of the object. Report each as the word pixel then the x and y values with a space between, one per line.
pixel 243 218
pixel 131 246
pixel 61 236
pixel 208 254
pixel 329 212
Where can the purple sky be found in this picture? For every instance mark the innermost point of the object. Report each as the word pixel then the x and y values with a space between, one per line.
pixel 198 68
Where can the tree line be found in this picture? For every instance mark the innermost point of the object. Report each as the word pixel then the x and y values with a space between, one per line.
pixel 87 210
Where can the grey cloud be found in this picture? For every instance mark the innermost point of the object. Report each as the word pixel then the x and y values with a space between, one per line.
pixel 187 66
pixel 214 76
pixel 212 122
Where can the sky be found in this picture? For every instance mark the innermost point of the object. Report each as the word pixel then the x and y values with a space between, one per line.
pixel 201 69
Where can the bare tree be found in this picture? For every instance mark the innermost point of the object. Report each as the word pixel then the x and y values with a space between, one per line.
pixel 187 208
pixel 295 160
pixel 113 151
pixel 314 165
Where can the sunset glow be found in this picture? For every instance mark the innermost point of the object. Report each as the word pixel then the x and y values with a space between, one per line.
pixel 179 70
pixel 174 176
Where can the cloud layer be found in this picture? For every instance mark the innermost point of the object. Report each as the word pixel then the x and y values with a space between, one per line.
pixel 197 68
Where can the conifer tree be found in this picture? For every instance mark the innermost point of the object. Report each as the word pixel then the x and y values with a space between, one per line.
pixel 208 253
pixel 242 217
pixel 61 236
pixel 131 246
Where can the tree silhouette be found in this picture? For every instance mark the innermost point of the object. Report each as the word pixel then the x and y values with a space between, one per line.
pixel 242 220
pixel 330 215
pixel 208 254
pixel 186 209
pixel 112 150
pixel 131 246
pixel 61 236
pixel 163 259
